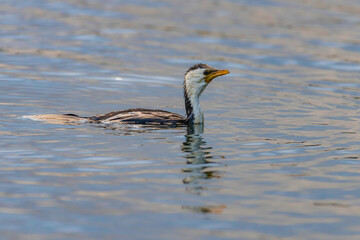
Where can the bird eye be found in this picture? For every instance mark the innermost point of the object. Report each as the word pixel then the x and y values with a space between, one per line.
pixel 206 72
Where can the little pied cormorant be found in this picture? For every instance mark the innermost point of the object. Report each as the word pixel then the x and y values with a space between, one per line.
pixel 196 80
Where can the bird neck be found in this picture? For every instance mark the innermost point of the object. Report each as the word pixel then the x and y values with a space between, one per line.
pixel 194 113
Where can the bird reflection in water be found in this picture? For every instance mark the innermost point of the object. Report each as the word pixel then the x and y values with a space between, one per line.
pixel 200 167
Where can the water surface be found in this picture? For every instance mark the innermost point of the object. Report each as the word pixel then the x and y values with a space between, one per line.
pixel 279 155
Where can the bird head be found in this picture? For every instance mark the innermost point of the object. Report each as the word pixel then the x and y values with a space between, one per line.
pixel 196 80
pixel 199 76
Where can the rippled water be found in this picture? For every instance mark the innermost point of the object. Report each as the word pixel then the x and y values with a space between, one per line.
pixel 279 155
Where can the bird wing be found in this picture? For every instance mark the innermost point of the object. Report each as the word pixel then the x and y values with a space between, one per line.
pixel 140 116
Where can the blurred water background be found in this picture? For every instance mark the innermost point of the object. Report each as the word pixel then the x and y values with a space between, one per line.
pixel 279 155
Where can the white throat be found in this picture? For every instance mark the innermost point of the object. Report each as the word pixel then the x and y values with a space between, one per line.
pixel 198 114
pixel 194 86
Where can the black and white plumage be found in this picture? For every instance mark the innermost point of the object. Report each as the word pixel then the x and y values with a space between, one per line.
pixel 196 79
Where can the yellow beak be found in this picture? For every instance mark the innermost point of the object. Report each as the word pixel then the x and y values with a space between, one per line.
pixel 215 74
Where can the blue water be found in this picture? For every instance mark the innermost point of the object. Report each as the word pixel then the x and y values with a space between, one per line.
pixel 278 157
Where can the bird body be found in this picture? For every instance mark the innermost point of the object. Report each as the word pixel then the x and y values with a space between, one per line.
pixel 140 116
pixel 196 80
